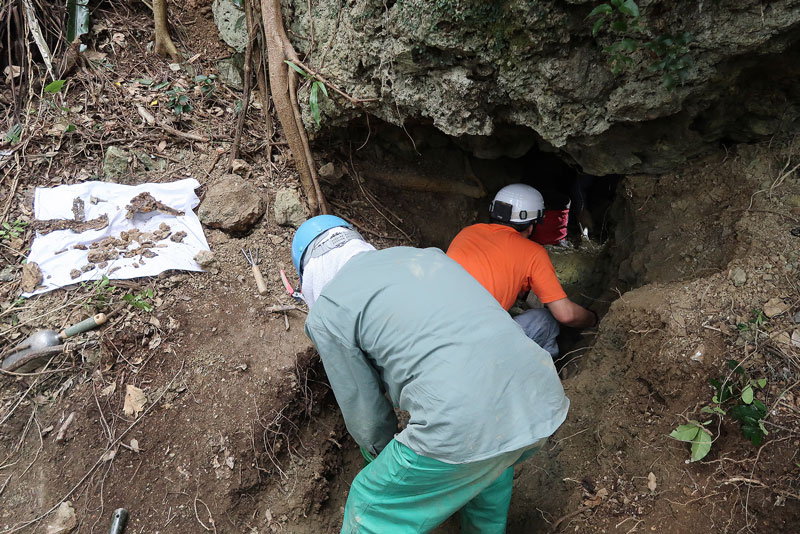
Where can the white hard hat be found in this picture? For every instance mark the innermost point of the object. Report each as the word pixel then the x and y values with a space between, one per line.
pixel 517 203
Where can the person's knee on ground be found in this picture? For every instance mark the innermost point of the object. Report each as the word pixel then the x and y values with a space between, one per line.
pixel 541 327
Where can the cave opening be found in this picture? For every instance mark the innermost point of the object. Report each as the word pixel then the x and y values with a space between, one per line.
pixel 440 184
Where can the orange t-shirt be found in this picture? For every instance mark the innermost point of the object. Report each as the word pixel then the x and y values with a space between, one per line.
pixel 506 263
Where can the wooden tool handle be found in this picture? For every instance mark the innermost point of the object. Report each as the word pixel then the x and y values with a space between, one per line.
pixel 85 325
pixel 262 285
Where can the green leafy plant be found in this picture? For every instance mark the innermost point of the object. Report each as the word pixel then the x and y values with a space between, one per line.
pixel 734 396
pixel 206 83
pixel 698 435
pixel 140 300
pixel 739 390
pixel 11 230
pixel 622 18
pixel 13 134
pixel 101 292
pixel 316 87
pixel 179 101
pixel 54 86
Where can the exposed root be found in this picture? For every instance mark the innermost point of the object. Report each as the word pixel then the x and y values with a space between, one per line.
pixel 163 43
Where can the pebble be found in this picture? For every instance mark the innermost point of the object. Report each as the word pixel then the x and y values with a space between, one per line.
pixel 796 317
pixel 738 276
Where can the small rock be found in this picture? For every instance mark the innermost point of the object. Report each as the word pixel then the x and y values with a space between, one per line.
pixel 7 274
pixel 796 317
pixel 177 237
pixel 240 165
pixel 775 306
pixel 288 208
pixel 738 276
pixel 74 273
pixel 96 256
pixel 232 204
pixel 31 276
pixel 796 337
pixel 205 258
pixel 331 173
pixel 64 520
pixel 699 352
pixel 231 74
pixel 116 162
pixel 86 268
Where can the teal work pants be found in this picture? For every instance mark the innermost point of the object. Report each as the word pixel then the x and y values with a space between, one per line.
pixel 402 492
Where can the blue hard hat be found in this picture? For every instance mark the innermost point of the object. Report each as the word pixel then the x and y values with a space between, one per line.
pixel 309 231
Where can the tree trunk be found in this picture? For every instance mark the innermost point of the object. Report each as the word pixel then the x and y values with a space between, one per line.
pixel 163 43
pixel 283 85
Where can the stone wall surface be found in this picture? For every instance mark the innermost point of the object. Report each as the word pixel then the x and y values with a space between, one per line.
pixel 505 76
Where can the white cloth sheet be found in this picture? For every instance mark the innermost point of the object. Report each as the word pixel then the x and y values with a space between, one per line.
pixel 56 203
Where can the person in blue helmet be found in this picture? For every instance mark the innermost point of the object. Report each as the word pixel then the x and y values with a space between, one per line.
pixel 409 327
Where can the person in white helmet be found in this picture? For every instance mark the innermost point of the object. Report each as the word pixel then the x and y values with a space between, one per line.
pixel 501 256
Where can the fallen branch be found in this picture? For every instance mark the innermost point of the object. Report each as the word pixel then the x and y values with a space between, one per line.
pixel 283 308
pixel 184 135
pixel 414 182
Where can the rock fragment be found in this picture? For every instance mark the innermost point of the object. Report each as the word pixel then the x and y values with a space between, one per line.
pixel 205 258
pixel 738 276
pixel 78 213
pixel 177 237
pixel 775 306
pixel 115 162
pixel 31 276
pixel 288 208
pixel 232 204
pixel 64 520
pixel 74 273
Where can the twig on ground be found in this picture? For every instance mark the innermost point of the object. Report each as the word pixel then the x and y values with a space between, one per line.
pixel 64 427
pixel 184 135
pixel 210 517
pixel 283 308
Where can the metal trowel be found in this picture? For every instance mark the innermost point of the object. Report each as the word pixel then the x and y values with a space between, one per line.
pixel 26 354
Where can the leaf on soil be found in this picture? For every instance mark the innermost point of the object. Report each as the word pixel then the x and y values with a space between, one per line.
pixel 651 482
pixel 135 445
pixel 685 432
pixel 154 342
pixel 108 390
pixel 701 446
pixel 109 455
pixel 135 399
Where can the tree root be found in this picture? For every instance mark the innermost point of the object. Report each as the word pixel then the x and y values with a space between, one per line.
pixel 163 43
pixel 283 86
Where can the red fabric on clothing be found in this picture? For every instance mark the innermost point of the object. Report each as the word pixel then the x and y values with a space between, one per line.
pixel 506 263
pixel 552 228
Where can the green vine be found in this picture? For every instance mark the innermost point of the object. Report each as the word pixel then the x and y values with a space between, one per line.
pixel 670 53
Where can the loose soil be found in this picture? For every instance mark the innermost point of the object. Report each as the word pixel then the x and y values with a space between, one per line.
pixel 240 432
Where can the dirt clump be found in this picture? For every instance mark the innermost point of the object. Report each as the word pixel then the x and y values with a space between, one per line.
pixel 45 226
pixel 145 203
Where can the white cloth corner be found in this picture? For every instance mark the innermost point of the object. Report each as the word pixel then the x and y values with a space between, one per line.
pixel 56 203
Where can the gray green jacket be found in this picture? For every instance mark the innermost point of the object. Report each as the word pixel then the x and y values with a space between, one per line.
pixel 413 323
